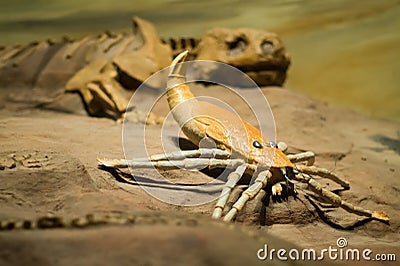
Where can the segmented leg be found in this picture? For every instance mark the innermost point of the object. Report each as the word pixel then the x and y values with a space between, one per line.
pixel 188 163
pixel 233 178
pixel 313 170
pixel 337 201
pixel 180 155
pixel 260 182
pixel 308 156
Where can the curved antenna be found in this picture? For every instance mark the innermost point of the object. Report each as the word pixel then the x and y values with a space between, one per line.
pixel 175 76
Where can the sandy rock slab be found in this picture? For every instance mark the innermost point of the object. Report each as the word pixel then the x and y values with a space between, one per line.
pixel 49 166
pixel 39 182
pixel 190 241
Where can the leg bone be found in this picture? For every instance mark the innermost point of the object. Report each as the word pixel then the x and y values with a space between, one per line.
pixel 233 178
pixel 188 163
pixel 308 156
pixel 313 170
pixel 260 182
pixel 336 200
pixel 180 155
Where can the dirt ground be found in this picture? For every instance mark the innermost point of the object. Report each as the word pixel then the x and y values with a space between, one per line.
pixel 56 172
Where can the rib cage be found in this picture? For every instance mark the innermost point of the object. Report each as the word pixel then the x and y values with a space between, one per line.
pixel 178 45
pixel 51 63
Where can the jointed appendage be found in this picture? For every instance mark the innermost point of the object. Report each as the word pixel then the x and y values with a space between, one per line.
pixel 207 158
pixel 308 156
pixel 233 179
pixel 313 170
pixel 187 163
pixel 255 154
pixel 248 194
pixel 199 153
pixel 177 155
pixel 337 201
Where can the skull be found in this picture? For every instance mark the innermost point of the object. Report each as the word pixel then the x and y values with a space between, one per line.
pixel 259 54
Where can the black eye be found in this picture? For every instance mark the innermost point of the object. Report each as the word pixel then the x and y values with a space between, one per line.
pixel 272 144
pixel 257 145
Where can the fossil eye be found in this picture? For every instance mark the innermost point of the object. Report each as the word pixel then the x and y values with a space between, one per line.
pixel 237 46
pixel 272 144
pixel 257 145
pixel 267 47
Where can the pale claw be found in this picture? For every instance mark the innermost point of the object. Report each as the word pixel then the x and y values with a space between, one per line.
pixel 282 146
pixel 108 162
pixel 381 216
pixel 277 189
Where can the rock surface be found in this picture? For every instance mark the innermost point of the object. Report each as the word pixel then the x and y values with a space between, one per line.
pixel 48 165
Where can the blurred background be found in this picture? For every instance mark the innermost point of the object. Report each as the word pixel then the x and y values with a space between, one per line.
pixel 346 52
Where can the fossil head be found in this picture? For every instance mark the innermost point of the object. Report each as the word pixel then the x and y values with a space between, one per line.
pixel 260 54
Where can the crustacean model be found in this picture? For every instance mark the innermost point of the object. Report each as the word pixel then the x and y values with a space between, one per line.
pixel 239 147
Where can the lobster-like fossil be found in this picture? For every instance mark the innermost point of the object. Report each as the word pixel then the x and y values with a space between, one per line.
pixel 240 147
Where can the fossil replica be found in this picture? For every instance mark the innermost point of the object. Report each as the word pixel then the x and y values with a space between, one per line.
pixel 102 69
pixel 259 54
pixel 106 69
pixel 241 148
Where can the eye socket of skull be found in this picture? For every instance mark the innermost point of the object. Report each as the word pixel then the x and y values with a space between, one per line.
pixel 267 47
pixel 237 46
